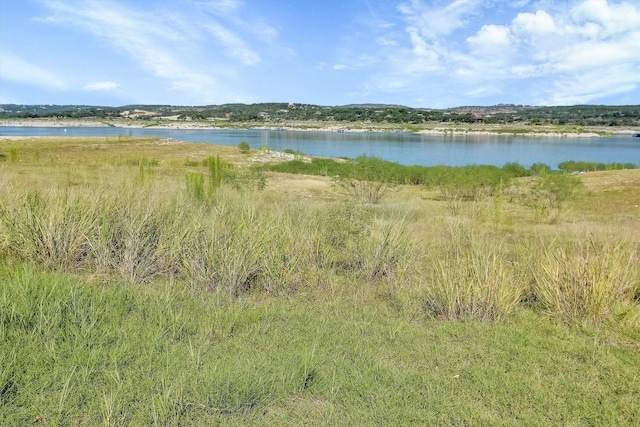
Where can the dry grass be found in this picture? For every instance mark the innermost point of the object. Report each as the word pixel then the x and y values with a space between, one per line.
pixel 407 240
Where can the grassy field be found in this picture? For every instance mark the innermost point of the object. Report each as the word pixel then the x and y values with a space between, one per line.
pixel 148 281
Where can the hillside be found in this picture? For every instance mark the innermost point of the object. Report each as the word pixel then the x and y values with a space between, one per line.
pixel 273 113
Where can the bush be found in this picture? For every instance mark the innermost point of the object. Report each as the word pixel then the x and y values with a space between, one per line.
pixel 573 166
pixel 539 168
pixel 244 147
pixel 367 179
pixel 550 193
pixel 471 182
pixel 516 170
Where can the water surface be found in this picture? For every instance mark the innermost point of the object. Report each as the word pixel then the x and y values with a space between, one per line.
pixel 401 147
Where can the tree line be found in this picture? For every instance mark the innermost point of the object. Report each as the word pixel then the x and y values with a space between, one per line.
pixel 577 115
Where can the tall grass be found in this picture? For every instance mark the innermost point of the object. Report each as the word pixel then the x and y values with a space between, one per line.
pixel 587 280
pixel 228 244
pixel 51 228
pixel 471 278
pixel 261 309
pixel 139 236
pixel 235 242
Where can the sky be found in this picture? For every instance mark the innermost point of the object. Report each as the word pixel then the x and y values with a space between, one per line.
pixel 418 53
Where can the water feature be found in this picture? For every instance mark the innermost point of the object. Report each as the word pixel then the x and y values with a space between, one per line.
pixel 401 147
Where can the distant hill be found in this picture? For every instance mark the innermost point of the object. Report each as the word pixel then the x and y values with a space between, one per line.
pixel 274 112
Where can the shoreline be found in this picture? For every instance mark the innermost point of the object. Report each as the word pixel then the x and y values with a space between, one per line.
pixel 457 130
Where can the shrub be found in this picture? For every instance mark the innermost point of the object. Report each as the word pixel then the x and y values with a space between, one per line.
pixel 573 166
pixel 539 168
pixel 250 180
pixel 368 179
pixel 470 182
pixel 550 193
pixel 244 147
pixel 516 170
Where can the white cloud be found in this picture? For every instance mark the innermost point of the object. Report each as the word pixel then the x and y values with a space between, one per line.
pixel 386 41
pixel 146 39
pixel 17 69
pixel 192 54
pixel 224 7
pixel 593 84
pixel 104 85
pixel 339 67
pixel 491 37
pixel 237 47
pixel 577 51
pixel 615 18
pixel 435 22
pixel 530 24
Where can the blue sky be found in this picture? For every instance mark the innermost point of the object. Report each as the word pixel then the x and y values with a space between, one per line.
pixel 419 53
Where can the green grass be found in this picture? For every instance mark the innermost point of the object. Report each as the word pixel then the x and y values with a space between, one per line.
pixel 133 296
pixel 76 353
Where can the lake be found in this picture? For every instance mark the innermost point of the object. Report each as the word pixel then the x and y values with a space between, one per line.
pixel 401 147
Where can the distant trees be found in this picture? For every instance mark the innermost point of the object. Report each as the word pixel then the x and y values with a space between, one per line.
pixel 578 115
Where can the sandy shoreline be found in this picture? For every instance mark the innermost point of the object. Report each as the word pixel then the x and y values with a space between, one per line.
pixel 188 125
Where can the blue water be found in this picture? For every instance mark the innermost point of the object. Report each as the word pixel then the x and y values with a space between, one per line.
pixel 404 148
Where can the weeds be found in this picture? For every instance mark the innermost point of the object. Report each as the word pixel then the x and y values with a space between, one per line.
pixel 362 190
pixel 195 186
pixel 368 179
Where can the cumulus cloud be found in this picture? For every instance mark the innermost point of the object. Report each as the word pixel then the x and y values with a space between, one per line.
pixel 613 18
pixel 556 52
pixel 104 85
pixel 491 37
pixel 533 24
